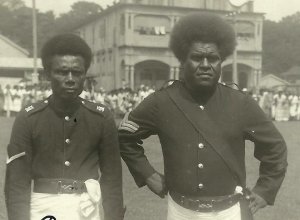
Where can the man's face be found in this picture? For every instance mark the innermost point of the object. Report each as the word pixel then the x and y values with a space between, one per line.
pixel 67 76
pixel 202 67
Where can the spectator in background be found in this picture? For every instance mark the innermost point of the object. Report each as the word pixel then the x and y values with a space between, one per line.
pixel 17 97
pixel 294 104
pixel 7 100
pixel 281 106
pixel 265 102
pixel 1 101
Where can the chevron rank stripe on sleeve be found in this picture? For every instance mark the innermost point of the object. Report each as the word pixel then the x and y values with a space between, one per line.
pixel 128 125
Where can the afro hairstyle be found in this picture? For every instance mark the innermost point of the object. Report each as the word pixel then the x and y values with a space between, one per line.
pixel 205 27
pixel 65 44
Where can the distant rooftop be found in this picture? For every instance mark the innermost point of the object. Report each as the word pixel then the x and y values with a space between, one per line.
pixel 18 63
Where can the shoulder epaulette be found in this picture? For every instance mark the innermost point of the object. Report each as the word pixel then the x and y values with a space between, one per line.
pixel 169 83
pixel 95 107
pixel 35 107
pixel 232 86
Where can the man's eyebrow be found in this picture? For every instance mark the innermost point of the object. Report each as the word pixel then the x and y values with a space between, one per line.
pixel 204 52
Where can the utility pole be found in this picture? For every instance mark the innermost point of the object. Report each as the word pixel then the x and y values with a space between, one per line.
pixel 34 34
pixel 235 53
pixel 234 61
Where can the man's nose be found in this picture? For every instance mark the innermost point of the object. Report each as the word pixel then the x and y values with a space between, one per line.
pixel 70 79
pixel 205 63
pixel 70 76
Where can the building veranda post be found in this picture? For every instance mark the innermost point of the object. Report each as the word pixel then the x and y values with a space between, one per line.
pixel 130 42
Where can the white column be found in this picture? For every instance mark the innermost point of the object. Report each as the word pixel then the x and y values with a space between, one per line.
pixel 127 75
pixel 172 73
pixel 258 73
pixel 131 71
pixel 177 71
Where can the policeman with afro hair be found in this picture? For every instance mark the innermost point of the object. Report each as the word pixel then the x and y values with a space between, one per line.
pixel 64 148
pixel 202 126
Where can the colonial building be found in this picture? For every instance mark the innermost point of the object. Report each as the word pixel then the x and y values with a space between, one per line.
pixel 15 63
pixel 130 41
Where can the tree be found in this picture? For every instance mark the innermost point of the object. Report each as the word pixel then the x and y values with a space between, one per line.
pixel 281 45
pixel 16 21
pixel 12 4
pixel 80 11
pixel 16 24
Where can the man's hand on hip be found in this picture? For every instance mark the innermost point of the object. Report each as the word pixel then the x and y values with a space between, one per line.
pixel 256 202
pixel 156 183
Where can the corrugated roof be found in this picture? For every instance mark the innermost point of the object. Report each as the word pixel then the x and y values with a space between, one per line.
pixel 19 63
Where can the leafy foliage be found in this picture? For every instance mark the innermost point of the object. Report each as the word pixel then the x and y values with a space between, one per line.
pixel 80 11
pixel 16 21
pixel 281 45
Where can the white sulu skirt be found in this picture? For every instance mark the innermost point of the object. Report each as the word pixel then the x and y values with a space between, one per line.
pixel 177 212
pixel 83 206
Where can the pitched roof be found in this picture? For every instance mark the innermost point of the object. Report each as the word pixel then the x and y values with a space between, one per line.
pixel 13 44
pixel 18 63
pixel 274 77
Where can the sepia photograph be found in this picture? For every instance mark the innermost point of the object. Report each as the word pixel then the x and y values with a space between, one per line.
pixel 149 109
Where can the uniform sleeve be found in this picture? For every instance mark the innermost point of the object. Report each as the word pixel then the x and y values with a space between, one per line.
pixel 111 172
pixel 270 149
pixel 18 171
pixel 136 126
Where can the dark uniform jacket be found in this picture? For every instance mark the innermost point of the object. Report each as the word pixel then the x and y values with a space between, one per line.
pixel 204 145
pixel 48 143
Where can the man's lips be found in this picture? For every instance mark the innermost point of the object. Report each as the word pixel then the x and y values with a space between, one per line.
pixel 70 90
pixel 203 74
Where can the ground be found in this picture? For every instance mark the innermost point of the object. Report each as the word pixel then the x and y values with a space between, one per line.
pixel 143 205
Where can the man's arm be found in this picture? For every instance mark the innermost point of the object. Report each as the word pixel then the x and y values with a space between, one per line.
pixel 18 171
pixel 111 172
pixel 136 126
pixel 270 149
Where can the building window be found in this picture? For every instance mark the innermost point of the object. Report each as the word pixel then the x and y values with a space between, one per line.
pixel 155 2
pixel 129 21
pixel 156 30
pixel 245 30
pixel 122 24
pixel 93 35
pixel 102 29
pixel 152 25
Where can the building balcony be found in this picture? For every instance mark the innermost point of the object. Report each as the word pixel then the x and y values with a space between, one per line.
pixel 154 41
pixel 248 44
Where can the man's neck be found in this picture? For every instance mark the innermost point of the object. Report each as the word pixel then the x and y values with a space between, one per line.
pixel 67 106
pixel 201 95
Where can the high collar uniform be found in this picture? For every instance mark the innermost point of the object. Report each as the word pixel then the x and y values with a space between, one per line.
pixel 204 145
pixel 53 144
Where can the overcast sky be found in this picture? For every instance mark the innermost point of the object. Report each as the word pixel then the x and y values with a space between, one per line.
pixel 274 9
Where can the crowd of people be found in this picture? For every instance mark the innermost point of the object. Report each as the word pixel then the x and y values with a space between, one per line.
pixel 278 105
pixel 119 101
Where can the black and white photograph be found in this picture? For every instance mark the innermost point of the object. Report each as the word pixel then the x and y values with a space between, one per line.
pixel 149 109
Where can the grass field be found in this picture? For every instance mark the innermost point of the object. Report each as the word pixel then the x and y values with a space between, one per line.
pixel 143 205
